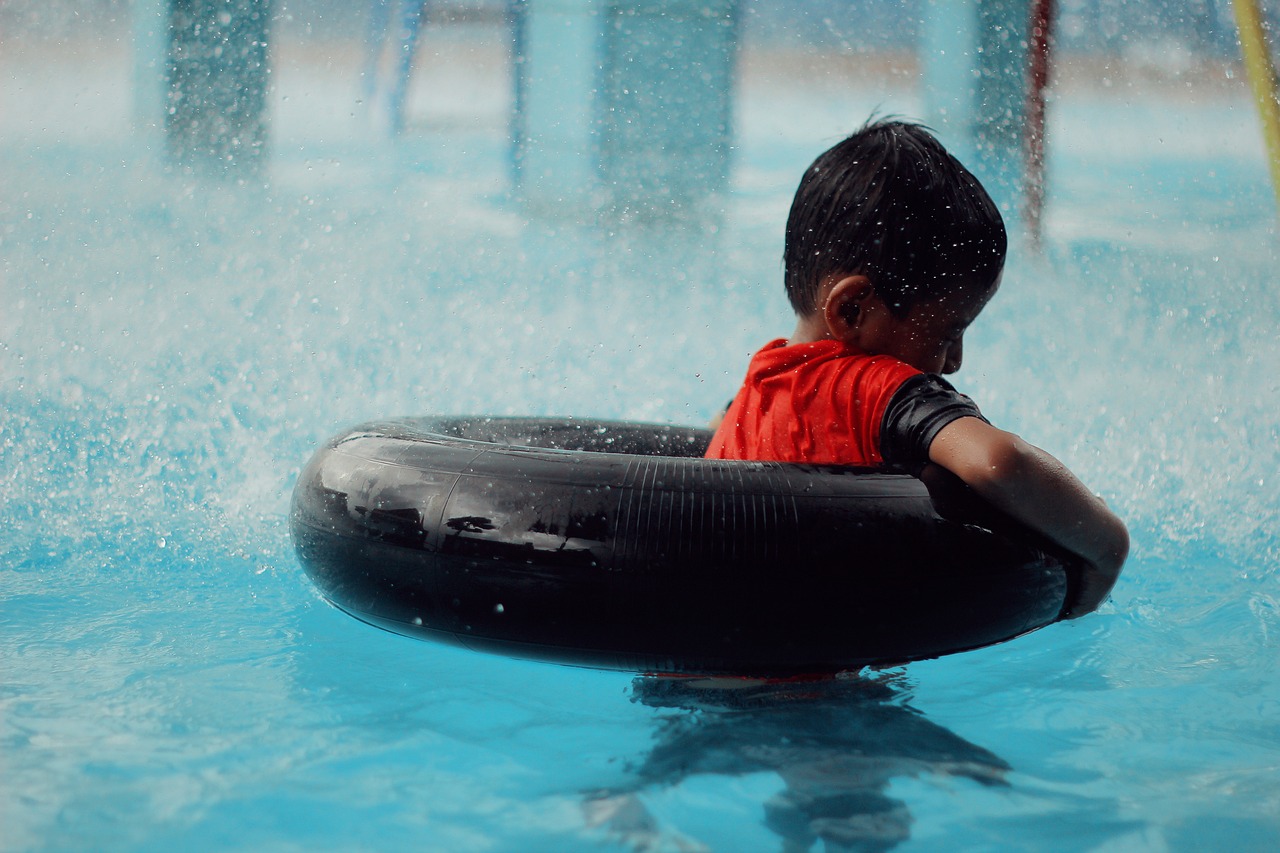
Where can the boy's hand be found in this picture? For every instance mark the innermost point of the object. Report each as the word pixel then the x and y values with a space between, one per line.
pixel 1092 588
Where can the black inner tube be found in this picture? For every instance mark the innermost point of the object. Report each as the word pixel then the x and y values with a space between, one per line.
pixel 616 545
pixel 589 436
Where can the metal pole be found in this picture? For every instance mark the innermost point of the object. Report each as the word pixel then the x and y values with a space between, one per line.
pixel 1037 81
pixel 1262 78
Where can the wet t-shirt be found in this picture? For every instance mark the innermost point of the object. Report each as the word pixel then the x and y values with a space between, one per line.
pixel 824 402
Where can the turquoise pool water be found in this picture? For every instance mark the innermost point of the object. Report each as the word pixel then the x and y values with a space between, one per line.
pixel 172 352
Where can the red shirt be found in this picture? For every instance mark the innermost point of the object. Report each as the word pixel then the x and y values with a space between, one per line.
pixel 819 402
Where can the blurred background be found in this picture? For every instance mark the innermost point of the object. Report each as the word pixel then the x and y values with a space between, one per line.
pixel 231 228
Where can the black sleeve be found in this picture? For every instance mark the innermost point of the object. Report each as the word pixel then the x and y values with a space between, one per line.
pixel 917 412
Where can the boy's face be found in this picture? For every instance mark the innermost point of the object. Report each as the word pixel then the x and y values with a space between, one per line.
pixel 931 337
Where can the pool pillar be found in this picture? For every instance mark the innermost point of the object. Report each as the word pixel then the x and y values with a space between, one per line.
pixel 217 73
pixel 622 105
pixel 149 26
pixel 974 58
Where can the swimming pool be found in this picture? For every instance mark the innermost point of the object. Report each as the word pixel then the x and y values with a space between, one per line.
pixel 171 353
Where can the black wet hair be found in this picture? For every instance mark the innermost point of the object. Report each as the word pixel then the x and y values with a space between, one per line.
pixel 890 203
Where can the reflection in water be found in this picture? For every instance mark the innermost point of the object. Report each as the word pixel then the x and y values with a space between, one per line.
pixel 836 744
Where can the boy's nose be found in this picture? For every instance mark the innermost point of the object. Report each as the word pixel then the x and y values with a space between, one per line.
pixel 955 355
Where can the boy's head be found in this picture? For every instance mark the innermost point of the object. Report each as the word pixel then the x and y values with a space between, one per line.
pixel 890 203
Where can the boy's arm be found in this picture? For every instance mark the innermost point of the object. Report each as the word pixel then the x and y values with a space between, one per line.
pixel 1040 492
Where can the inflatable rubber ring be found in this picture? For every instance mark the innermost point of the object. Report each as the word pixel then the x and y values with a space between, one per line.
pixel 615 545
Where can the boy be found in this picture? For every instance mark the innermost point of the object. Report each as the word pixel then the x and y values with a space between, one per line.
pixel 893 248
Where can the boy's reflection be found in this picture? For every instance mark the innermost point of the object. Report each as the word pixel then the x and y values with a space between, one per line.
pixel 835 743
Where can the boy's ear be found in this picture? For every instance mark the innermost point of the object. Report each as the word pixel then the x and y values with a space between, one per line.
pixel 845 308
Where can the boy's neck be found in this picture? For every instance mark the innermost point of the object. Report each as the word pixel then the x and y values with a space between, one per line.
pixel 810 329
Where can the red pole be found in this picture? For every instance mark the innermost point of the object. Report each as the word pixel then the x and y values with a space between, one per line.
pixel 1038 43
